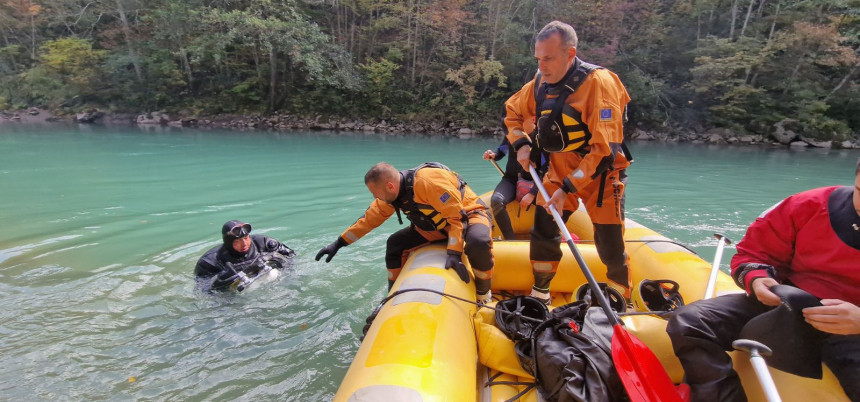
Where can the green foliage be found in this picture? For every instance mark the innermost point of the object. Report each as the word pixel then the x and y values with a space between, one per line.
pixel 687 63
pixel 70 69
pixel 247 91
pixel 73 59
pixel 11 58
pixel 477 77
pixel 651 101
pixel 816 124
pixel 379 82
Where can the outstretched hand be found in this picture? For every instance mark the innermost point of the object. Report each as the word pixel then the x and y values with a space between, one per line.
pixel 489 154
pixel 835 317
pixel 330 250
pixel 454 261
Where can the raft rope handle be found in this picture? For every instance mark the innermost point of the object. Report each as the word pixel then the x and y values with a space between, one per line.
pixel 401 291
pixel 372 316
pixel 492 381
pixel 525 390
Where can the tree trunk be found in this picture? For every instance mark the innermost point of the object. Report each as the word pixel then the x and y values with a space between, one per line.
pixel 747 19
pixel 187 65
pixel 794 73
pixel 773 25
pixel 844 79
pixel 354 44
pixel 3 31
pixel 494 19
pixel 711 17
pixel 273 77
pixel 760 8
pixel 372 45
pixel 257 68
pixel 734 20
pixel 32 32
pixel 339 21
pixel 13 63
pixel 409 28
pixel 698 29
pixel 415 40
pixel 126 31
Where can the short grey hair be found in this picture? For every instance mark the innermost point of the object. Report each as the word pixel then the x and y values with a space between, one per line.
pixel 380 173
pixel 568 35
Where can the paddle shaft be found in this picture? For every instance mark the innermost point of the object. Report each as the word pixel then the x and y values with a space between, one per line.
pixel 592 283
pixel 764 377
pixel 712 280
pixel 501 172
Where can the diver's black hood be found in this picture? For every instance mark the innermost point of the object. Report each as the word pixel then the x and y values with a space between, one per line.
pixel 228 237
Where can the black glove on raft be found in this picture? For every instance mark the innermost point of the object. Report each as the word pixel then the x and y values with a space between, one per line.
pixel 454 261
pixel 331 249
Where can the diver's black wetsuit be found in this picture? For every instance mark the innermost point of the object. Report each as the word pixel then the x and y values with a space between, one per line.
pixel 263 250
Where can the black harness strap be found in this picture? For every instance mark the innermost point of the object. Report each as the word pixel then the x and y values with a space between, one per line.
pixel 601 188
pixel 572 82
pixel 406 199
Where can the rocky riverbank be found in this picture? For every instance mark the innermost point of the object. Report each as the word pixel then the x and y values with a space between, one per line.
pixel 782 134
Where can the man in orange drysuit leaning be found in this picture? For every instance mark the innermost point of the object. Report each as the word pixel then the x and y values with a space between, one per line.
pixel 578 111
pixel 439 206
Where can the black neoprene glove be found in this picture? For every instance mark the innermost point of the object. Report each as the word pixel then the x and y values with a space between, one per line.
pixel 331 249
pixel 281 248
pixel 454 261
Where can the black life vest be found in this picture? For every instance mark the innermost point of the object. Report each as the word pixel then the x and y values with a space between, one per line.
pixel 423 216
pixel 559 126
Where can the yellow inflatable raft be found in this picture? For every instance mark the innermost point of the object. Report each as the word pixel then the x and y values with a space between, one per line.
pixel 423 346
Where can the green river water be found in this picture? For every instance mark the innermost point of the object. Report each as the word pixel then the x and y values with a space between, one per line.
pixel 100 229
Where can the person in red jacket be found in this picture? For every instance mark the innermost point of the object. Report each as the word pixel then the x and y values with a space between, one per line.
pixel 810 240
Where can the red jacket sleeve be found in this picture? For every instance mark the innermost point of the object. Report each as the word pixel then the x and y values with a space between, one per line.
pixel 769 241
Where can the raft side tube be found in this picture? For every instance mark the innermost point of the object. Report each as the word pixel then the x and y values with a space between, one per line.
pixel 419 341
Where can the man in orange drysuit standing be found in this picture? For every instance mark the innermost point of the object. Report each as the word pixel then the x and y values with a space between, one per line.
pixel 578 110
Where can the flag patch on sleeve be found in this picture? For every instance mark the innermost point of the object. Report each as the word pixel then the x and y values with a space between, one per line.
pixel 445 197
pixel 606 114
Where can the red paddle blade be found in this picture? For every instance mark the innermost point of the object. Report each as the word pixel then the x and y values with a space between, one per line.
pixel 643 376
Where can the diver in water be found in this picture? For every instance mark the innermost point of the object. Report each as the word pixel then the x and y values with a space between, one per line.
pixel 241 259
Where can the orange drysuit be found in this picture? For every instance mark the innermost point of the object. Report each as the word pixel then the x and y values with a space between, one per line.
pixel 440 206
pixel 591 166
